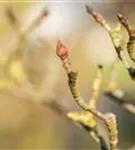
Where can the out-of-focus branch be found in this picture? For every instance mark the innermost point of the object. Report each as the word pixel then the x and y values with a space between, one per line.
pixel 115 93
pixel 16 24
pixel 109 119
pixel 125 104
pixel 55 107
pixel 24 33
pixel 36 22
pixel 13 59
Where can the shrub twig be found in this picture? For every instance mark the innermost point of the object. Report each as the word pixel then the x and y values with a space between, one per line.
pixel 109 119
pixel 115 37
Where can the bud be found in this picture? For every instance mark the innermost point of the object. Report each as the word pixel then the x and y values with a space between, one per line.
pixel 98 18
pixel 89 9
pixel 124 21
pixel 61 50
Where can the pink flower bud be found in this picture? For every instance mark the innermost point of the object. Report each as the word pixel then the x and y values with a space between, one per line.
pixel 62 50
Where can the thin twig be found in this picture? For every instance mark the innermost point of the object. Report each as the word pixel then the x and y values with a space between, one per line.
pixel 95 87
pixel 112 84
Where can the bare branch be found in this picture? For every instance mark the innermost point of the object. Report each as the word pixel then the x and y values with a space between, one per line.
pixel 131 32
pixel 109 119
pixel 115 37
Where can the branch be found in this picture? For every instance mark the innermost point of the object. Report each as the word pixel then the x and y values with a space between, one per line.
pixel 116 39
pixel 18 50
pixel 16 24
pixel 131 33
pixel 24 33
pixel 13 19
pixel 109 119
pixel 85 119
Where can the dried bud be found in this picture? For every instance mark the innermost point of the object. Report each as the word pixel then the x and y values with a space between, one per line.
pixel 61 50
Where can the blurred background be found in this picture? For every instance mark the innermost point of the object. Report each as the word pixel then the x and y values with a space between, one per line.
pixel 26 122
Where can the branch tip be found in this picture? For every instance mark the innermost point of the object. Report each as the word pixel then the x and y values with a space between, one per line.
pixel 124 21
pixel 89 9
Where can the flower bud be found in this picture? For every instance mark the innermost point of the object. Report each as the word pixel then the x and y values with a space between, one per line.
pixel 61 50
